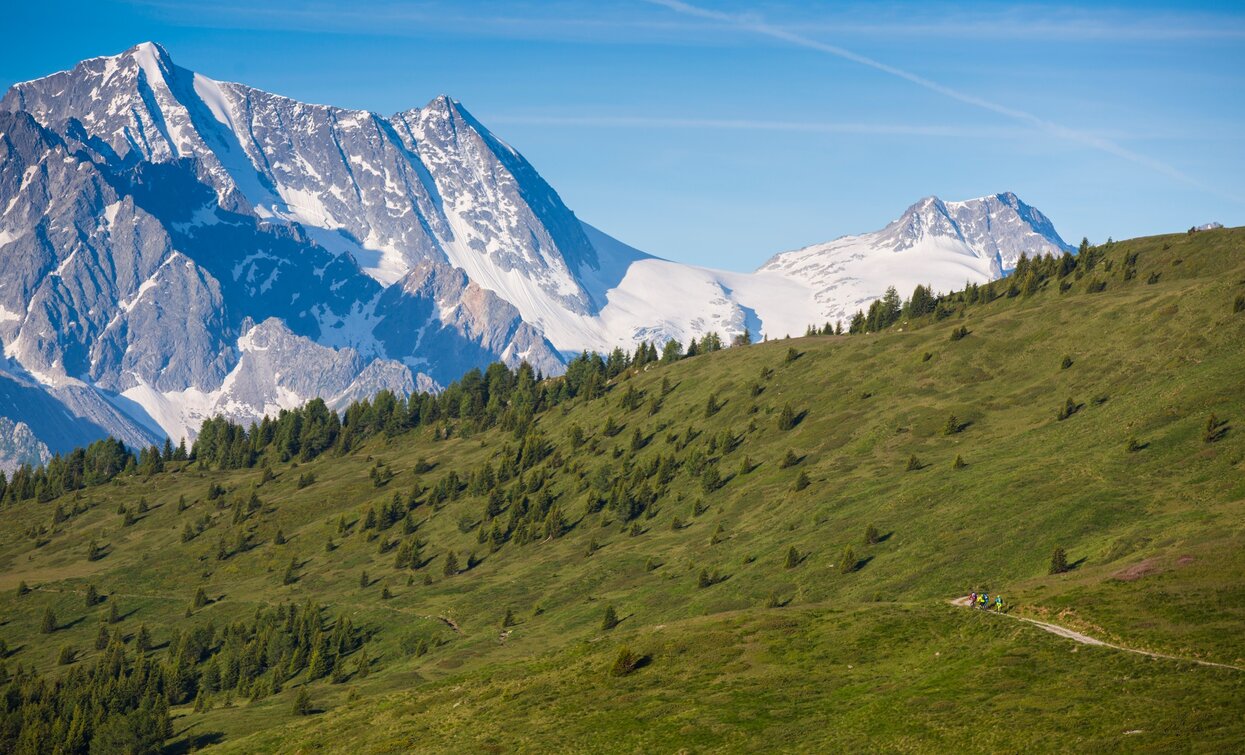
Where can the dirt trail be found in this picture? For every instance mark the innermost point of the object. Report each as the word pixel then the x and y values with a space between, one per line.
pixel 1085 639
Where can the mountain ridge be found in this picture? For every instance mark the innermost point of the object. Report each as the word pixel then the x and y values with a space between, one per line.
pixel 208 207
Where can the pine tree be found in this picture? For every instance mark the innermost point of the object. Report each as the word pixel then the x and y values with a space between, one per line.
pixel 451 564
pixel 793 558
pixel 508 620
pixel 201 598
pixel 952 426
pixel 848 561
pixel 143 640
pixel 1059 561
pixel 22 588
pixel 65 656
pixel 385 594
pixel 786 418
pixel 48 625
pixel 789 460
pixel 913 463
pixel 114 615
pixel 279 538
pixel 291 573
pixel 188 533
pixel 302 703
pixel 363 580
pixel 871 535
pixel 610 620
pixel 92 596
pixel 801 480
pixel 101 638
pixel 959 462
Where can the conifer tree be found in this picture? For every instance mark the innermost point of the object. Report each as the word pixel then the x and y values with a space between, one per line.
pixel 22 588
pixel 786 418
pixel 363 580
pixel 913 463
pixel 508 620
pixel 92 596
pixel 848 561
pixel 114 614
pixel 279 538
pixel 451 564
pixel 959 462
pixel 143 639
pixel 48 624
pixel 302 703
pixel 101 638
pixel 801 480
pixel 625 662
pixel 610 620
pixel 952 426
pixel 1059 561
pixel 793 558
pixel 871 535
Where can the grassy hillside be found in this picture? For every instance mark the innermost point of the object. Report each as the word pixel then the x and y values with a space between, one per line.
pixel 733 584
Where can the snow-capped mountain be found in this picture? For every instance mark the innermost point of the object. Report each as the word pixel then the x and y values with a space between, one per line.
pixel 174 247
pixel 939 244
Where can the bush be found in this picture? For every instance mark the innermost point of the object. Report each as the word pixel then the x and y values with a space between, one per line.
pixel 871 535
pixel 959 333
pixel 1066 363
pixel 913 463
pixel 626 662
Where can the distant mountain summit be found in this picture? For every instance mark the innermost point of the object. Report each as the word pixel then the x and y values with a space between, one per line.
pixel 174 247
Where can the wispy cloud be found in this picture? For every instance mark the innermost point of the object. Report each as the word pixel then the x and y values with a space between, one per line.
pixel 757 25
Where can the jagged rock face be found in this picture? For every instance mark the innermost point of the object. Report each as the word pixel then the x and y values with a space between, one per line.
pixel 18 446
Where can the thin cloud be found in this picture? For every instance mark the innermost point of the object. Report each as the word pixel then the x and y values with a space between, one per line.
pixel 755 24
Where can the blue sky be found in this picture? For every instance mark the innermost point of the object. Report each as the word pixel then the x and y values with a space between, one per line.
pixel 721 133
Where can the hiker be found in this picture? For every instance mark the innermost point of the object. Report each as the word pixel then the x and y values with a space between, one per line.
pixel 998 604
pixel 984 600
pixel 972 598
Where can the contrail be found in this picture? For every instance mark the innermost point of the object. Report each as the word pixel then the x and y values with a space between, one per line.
pixel 759 26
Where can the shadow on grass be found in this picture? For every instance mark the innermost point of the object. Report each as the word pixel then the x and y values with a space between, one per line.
pixel 194 743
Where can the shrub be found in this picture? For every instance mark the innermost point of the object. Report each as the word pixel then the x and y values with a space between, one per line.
pixel 913 463
pixel 626 662
pixel 1066 363
pixel 1134 445
pixel 959 333
pixel 871 535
